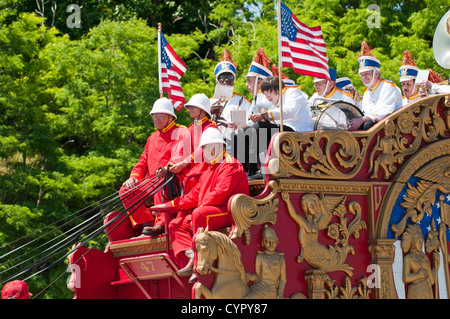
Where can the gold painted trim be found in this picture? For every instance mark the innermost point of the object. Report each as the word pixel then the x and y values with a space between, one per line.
pixel 341 155
pixel 413 164
pixel 145 245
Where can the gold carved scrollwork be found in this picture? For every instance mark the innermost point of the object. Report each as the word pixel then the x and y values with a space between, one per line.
pixel 321 286
pixel 339 154
pixel 421 122
pixel 303 155
pixel 247 211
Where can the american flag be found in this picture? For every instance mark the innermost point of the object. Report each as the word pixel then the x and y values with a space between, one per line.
pixel 302 48
pixel 171 70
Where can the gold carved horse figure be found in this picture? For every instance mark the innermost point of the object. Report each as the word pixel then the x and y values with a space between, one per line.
pixel 230 277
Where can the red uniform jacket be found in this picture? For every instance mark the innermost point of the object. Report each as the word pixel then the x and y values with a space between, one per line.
pixel 171 145
pixel 191 174
pixel 218 182
pixel 196 130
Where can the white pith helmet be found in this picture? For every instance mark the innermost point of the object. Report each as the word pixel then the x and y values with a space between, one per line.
pixel 211 136
pixel 201 101
pixel 163 105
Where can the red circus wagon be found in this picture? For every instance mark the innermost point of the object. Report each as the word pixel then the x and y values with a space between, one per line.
pixel 341 214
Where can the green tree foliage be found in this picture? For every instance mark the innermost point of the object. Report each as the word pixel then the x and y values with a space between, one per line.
pixel 75 102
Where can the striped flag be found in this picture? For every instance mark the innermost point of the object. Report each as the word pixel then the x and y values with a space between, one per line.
pixel 302 48
pixel 171 69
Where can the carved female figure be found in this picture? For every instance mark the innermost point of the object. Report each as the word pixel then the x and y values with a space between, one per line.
pixel 417 272
pixel 318 213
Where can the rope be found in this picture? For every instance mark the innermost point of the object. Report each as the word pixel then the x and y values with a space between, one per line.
pixel 104 205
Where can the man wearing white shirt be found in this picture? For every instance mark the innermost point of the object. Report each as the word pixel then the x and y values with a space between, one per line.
pixel 225 73
pixel 328 90
pixel 408 75
pixel 296 116
pixel 244 138
pixel 381 98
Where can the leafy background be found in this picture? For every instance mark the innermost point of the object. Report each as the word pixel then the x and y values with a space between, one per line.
pixel 74 102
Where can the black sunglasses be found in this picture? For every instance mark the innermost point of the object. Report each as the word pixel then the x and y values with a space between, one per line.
pixel 226 76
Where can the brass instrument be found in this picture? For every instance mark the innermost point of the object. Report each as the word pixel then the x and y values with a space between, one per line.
pixel 441 42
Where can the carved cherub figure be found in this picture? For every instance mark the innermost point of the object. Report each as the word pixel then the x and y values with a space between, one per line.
pixel 388 147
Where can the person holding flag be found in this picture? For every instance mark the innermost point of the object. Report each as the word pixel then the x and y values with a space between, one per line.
pixel 297 116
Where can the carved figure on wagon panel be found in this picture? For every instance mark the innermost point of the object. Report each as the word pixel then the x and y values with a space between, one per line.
pixel 417 272
pixel 318 214
pixel 388 147
pixel 270 266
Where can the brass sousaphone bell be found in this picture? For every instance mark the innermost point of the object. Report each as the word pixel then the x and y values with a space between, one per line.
pixel 441 42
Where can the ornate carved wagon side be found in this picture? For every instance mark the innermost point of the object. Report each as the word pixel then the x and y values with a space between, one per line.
pixel 342 215
pixel 342 206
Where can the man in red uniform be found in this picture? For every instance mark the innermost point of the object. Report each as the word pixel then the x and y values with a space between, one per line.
pixel 189 170
pixel 168 144
pixel 199 108
pixel 222 177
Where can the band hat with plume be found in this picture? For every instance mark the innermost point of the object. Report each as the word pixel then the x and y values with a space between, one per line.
pixel 408 70
pixel 344 83
pixel 366 60
pixel 260 65
pixel 226 64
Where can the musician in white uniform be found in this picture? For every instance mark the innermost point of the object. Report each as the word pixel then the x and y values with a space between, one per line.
pixel 346 84
pixel 408 75
pixel 225 73
pixel 296 114
pixel 327 91
pixel 259 70
pixel 381 98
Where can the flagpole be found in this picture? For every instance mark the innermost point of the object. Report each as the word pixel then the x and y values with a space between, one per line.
pixel 280 81
pixel 159 61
